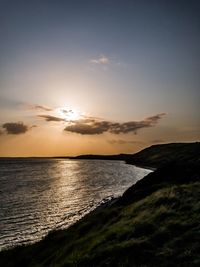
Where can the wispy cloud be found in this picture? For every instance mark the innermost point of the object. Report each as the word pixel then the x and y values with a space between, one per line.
pixel 92 126
pixel 39 107
pixel 51 118
pixel 16 127
pixel 88 125
pixel 102 60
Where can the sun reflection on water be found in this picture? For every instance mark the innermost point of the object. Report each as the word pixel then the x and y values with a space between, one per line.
pixel 41 195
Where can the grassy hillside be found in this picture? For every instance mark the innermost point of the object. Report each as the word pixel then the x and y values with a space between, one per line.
pixel 159 155
pixel 156 155
pixel 155 223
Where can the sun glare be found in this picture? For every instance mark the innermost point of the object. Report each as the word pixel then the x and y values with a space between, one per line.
pixel 69 114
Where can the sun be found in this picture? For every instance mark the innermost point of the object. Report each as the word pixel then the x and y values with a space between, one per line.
pixel 70 114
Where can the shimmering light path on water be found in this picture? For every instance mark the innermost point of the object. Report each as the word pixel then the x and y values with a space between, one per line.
pixel 39 195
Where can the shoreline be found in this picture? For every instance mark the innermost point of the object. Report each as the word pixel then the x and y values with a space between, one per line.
pixel 151 224
pixel 142 166
pixel 103 204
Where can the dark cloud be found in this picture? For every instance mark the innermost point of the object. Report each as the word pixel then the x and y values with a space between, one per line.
pixel 155 118
pixel 88 127
pixel 40 107
pixel 67 111
pixel 16 127
pixel 51 118
pixel 92 126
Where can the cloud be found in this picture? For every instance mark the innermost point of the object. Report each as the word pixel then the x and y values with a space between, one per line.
pixel 39 107
pixel 92 126
pixel 156 117
pixel 66 111
pixel 16 127
pixel 88 127
pixel 102 60
pixel 51 118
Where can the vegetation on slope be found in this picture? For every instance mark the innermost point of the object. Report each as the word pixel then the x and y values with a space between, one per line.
pixel 160 155
pixel 155 223
pixel 156 155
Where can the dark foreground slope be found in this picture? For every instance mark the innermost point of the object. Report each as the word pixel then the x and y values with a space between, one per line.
pixel 155 223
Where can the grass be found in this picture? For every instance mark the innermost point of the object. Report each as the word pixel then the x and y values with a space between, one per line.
pixel 159 155
pixel 159 227
pixel 156 155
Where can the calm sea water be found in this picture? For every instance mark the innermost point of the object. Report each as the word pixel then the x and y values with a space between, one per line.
pixel 40 195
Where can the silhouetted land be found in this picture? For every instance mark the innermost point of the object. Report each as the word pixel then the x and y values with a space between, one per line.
pixel 154 223
pixel 155 156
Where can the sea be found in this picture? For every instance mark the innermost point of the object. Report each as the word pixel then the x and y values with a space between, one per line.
pixel 41 195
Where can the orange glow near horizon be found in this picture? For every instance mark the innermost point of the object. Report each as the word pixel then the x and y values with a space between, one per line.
pixel 91 78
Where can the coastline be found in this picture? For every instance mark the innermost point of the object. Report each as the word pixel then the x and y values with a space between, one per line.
pixel 141 166
pixel 107 197
pixel 103 204
pixel 154 223
pixel 125 230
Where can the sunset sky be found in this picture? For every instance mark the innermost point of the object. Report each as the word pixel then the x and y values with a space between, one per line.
pixel 103 77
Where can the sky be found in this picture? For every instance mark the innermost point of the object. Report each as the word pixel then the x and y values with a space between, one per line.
pixel 100 77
